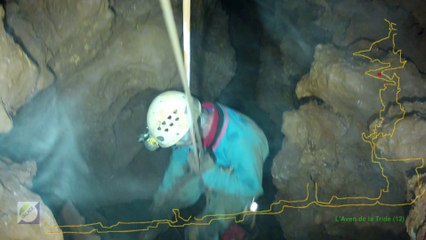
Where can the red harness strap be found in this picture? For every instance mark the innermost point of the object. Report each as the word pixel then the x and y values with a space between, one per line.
pixel 218 127
pixel 208 140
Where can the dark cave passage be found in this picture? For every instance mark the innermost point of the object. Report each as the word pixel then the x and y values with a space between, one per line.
pixel 246 31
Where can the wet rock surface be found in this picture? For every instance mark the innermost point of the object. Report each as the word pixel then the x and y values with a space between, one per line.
pixel 15 185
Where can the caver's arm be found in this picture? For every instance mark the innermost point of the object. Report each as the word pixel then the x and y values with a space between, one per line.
pixel 245 175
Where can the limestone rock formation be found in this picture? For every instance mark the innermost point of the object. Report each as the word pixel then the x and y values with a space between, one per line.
pixel 62 36
pixel 416 224
pixel 406 143
pixel 107 68
pixel 352 20
pixel 408 135
pixel 329 146
pixel 15 181
pixel 218 62
pixel 343 84
pixel 19 78
pixel 340 83
pixel 109 60
pixel 324 149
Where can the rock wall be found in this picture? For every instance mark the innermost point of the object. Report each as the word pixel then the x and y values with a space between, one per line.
pixel 61 36
pixel 415 223
pixel 292 29
pixel 108 60
pixel 20 78
pixel 217 64
pixel 325 148
pixel 103 62
pixel 407 144
pixel 323 143
pixel 409 134
pixel 15 182
pixel 350 20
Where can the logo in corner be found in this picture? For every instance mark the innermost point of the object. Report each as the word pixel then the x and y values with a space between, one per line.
pixel 28 212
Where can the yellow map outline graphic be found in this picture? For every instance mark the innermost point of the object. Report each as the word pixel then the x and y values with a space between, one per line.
pixel 387 74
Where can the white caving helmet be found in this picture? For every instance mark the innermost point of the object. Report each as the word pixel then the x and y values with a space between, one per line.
pixel 168 117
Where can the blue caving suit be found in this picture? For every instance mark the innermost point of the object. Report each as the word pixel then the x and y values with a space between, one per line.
pixel 241 146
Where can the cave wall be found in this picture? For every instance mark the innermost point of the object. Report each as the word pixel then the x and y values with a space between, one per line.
pixel 323 143
pixel 98 67
pixel 99 64
pixel 103 61
pixel 15 186
pixel 324 147
pixel 20 78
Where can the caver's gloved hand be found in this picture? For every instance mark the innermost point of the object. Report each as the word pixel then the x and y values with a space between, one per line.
pixel 180 186
pixel 187 190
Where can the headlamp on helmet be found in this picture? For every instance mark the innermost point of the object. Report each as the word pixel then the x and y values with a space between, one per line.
pixel 149 141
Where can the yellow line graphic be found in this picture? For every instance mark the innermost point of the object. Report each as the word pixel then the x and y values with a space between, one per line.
pixel 386 72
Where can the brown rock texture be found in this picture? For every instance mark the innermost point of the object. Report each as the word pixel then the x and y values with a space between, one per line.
pixel 324 148
pixel 15 181
pixel 328 146
pixel 62 36
pixel 406 143
pixel 19 78
pixel 352 20
pixel 408 135
pixel 107 68
pixel 219 64
pixel 340 83
pixel 108 60
pixel 416 220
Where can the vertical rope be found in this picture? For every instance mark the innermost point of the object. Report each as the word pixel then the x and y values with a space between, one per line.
pixel 174 39
pixel 187 38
